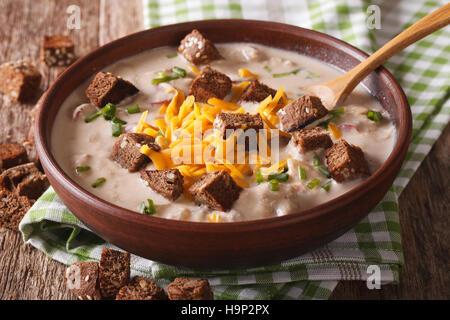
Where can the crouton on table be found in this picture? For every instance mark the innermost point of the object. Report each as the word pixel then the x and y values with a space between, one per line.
pixel 20 80
pixel 190 289
pixel 57 50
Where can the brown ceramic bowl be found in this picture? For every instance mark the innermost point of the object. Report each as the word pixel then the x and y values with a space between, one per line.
pixel 237 244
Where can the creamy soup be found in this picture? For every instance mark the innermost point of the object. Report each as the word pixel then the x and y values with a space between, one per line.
pixel 76 143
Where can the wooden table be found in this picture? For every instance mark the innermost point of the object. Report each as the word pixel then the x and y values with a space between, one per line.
pixel 26 273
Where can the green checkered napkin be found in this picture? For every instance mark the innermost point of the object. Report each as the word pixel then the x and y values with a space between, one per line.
pixel 423 70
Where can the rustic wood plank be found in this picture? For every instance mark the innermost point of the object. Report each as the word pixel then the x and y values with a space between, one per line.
pixel 26 273
pixel 119 18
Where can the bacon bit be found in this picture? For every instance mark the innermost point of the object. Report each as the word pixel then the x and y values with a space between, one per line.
pixel 158 103
pixel 348 126
pixel 298 187
pixel 82 109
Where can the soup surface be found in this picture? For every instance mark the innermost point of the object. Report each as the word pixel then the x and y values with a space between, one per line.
pixel 76 143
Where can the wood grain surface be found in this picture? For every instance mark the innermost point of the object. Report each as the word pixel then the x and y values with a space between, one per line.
pixel 26 273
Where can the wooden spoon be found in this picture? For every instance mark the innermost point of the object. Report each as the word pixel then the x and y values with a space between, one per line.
pixel 334 92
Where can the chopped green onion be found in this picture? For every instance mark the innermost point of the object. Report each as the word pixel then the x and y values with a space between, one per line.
pixel 283 74
pixel 108 111
pixel 181 73
pixel 313 184
pixel 98 182
pixel 92 117
pixel 374 116
pixel 314 75
pixel 162 74
pixel 133 109
pixel 274 185
pixel 316 161
pixel 335 114
pixel 327 186
pixel 150 209
pixel 259 177
pixel 267 68
pixel 116 129
pixel 82 169
pixel 280 177
pixel 324 124
pixel 170 56
pixel 163 77
pixel 161 133
pixel 337 111
pixel 302 173
pixel 117 120
pixel 316 164
pixel 324 171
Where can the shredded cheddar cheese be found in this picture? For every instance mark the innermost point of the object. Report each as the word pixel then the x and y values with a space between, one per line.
pixel 238 89
pixel 275 167
pixel 156 157
pixel 225 105
pixel 194 69
pixel 214 217
pixel 245 73
pixel 181 133
pixel 334 130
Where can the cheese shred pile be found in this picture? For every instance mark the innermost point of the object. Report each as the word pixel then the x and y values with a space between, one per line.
pixel 185 130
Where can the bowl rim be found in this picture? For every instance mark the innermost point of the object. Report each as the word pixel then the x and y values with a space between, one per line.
pixel 402 142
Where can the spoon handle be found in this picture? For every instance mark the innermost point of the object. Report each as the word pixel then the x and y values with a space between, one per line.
pixel 430 23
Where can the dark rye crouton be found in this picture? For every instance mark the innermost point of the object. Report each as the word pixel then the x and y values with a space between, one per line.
pixel 82 279
pixel 24 180
pixel 210 83
pixel 126 150
pixel 217 190
pixel 346 161
pixel 234 121
pixel 141 289
pixel 167 182
pixel 311 139
pixel 114 272
pixel 197 49
pixel 20 80
pixel 257 92
pixel 190 289
pixel 301 112
pixel 57 50
pixel 11 155
pixel 12 209
pixel 107 88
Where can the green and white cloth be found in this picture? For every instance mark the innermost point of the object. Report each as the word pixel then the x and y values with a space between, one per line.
pixel 423 70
